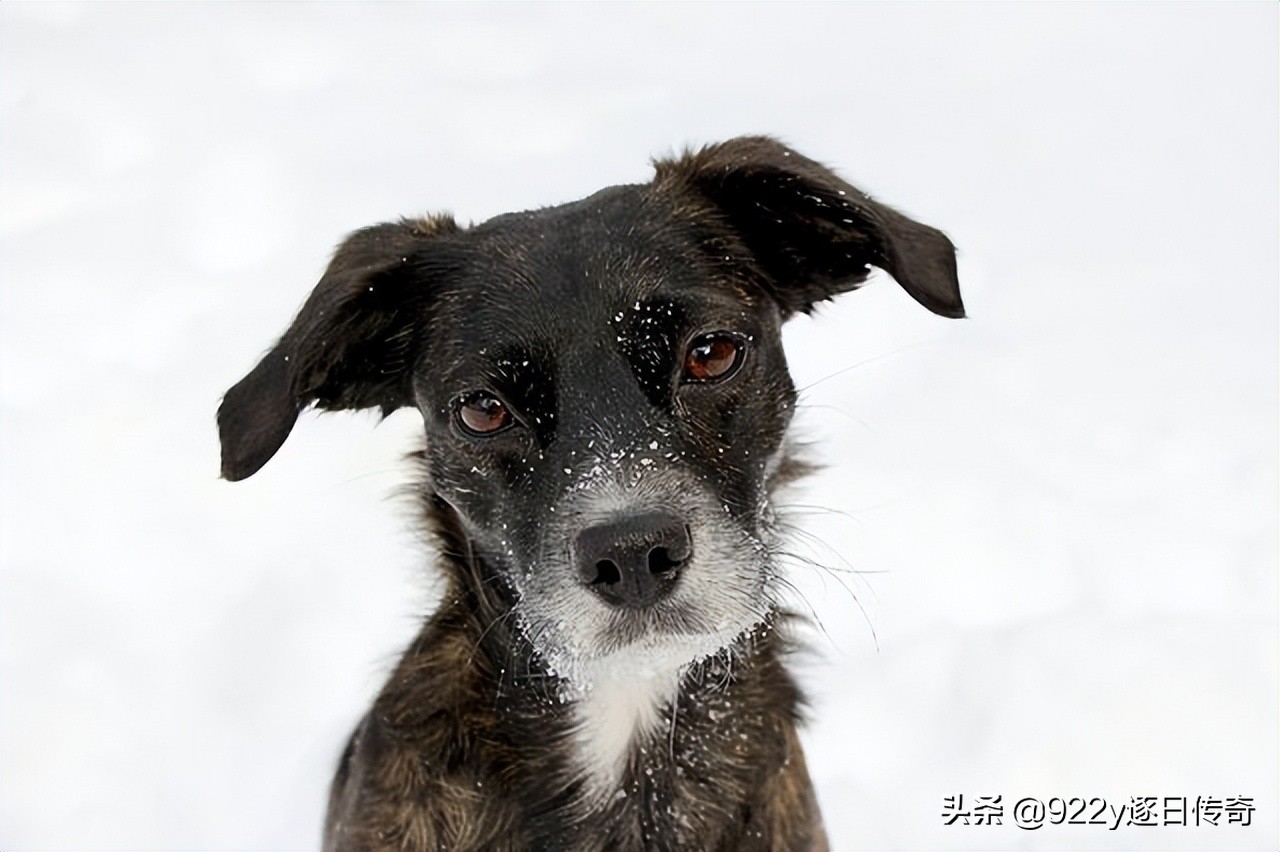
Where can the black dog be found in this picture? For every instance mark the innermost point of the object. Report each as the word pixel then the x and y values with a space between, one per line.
pixel 605 400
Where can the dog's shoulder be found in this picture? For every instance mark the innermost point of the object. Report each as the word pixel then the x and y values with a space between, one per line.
pixel 413 774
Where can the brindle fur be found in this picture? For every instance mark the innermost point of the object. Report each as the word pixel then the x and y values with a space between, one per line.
pixel 471 744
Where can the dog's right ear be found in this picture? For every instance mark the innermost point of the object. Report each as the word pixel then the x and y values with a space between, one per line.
pixel 351 346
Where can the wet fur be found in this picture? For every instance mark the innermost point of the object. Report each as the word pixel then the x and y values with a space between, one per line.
pixel 476 741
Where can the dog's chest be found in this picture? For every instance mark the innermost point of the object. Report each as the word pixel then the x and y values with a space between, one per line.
pixel 614 712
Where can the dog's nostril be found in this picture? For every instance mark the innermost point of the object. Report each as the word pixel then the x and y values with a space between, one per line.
pixel 607 573
pixel 661 560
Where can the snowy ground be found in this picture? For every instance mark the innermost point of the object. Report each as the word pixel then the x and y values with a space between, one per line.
pixel 1066 505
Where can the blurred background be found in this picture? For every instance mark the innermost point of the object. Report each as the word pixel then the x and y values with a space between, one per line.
pixel 1052 527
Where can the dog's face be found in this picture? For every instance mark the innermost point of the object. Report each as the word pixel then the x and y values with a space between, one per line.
pixel 602 384
pixel 602 399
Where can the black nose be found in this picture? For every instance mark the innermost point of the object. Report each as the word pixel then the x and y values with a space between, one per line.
pixel 633 561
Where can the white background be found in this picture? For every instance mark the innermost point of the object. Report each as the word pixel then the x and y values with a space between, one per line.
pixel 1066 505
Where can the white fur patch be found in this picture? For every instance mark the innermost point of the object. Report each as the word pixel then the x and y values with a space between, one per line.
pixel 620 701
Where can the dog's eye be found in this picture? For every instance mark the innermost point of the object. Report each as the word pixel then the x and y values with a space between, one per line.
pixel 482 413
pixel 713 357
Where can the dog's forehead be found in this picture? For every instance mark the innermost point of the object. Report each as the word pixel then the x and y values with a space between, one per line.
pixel 561 272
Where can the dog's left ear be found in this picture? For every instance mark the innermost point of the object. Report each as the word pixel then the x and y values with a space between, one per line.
pixel 351 346
pixel 813 234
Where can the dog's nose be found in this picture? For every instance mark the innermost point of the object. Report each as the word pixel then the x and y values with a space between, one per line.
pixel 633 561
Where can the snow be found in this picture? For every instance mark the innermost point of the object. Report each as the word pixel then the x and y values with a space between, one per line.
pixel 1064 507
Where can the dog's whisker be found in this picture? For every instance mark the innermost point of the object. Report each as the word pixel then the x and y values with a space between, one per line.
pixel 814 618
pixel 815 541
pixel 811 406
pixel 864 362
pixel 390 471
pixel 827 570
pixel 809 509
pixel 492 624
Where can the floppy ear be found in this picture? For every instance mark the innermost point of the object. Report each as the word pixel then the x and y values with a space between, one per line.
pixel 351 345
pixel 813 234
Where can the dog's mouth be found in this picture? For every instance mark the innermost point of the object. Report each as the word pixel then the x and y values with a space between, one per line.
pixel 642 643
pixel 666 621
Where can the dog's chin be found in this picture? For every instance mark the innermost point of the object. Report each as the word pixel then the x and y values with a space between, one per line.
pixel 666 629
pixel 646 643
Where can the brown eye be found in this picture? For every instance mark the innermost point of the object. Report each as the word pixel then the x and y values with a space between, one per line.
pixel 712 356
pixel 482 414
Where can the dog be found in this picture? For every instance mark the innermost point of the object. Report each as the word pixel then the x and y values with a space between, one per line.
pixel 606 402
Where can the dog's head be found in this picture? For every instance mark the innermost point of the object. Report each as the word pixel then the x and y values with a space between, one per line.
pixel 602 383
